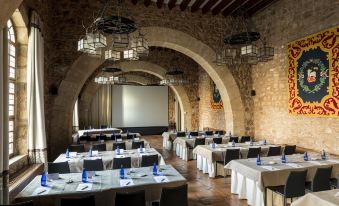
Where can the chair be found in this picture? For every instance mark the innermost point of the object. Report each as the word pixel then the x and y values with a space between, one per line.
pixel 130 199
pixel 29 203
pixel 234 138
pixel 93 165
pixel 181 134
pixel 100 147
pixel 58 167
pixel 217 140
pixel 101 137
pixel 137 144
pixel 253 152
pixel 103 126
pixel 84 138
pixel 149 160
pixel 321 180
pixel 244 139
pixel 174 196
pixel 121 145
pixel 219 132
pixel 115 137
pixel 274 151
pixel 76 148
pixel 130 136
pixel 289 149
pixel 198 141
pixel 209 133
pixel 231 154
pixel 83 201
pixel 126 162
pixel 294 186
pixel 194 134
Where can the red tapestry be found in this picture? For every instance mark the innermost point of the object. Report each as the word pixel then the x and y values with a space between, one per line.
pixel 313 74
pixel 216 102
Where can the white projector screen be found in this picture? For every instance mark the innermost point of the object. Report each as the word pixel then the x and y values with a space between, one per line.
pixel 139 106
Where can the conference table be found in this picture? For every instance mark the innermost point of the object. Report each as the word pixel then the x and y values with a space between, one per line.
pixel 323 198
pixel 249 181
pixel 208 156
pixel 169 137
pixel 103 186
pixel 99 131
pixel 109 143
pixel 76 162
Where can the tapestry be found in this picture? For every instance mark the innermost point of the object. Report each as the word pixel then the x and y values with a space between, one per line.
pixel 216 102
pixel 313 74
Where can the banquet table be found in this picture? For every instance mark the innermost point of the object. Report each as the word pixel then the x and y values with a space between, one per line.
pixel 76 163
pixel 99 131
pixel 207 156
pixel 250 181
pixel 181 145
pixel 93 136
pixel 109 144
pixel 103 186
pixel 323 198
pixel 168 138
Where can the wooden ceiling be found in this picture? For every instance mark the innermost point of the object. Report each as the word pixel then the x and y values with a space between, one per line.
pixel 225 7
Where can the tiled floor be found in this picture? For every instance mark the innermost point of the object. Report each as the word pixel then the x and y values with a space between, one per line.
pixel 202 190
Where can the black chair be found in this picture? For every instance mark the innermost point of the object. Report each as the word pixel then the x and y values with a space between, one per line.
pixel 231 154
pixel 100 147
pixel 199 141
pixel 137 144
pixel 84 138
pixel 130 199
pixel 94 165
pixel 253 152
pixel 181 134
pixel 101 137
pixel 209 133
pixel 194 134
pixel 126 162
pixel 217 140
pixel 83 201
pixel 130 136
pixel 234 138
pixel 294 186
pixel 121 145
pixel 289 149
pixel 58 167
pixel 149 160
pixel 76 148
pixel 103 126
pixel 274 151
pixel 29 203
pixel 321 180
pixel 116 136
pixel 244 139
pixel 219 132
pixel 171 196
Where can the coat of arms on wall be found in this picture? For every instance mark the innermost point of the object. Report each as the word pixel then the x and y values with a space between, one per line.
pixel 216 102
pixel 313 74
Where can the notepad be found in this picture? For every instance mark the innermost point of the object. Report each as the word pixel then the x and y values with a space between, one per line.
pixel 270 168
pixel 136 139
pixel 41 191
pixel 119 140
pixel 119 156
pixel 73 154
pixel 294 165
pixel 126 182
pixel 84 187
pixel 161 179
pixel 95 152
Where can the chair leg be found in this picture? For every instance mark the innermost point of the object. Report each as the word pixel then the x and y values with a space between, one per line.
pixel 272 199
pixel 284 201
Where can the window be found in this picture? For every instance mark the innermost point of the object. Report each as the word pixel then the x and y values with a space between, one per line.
pixel 11 73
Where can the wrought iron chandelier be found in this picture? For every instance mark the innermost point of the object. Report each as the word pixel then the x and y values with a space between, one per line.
pixel 175 76
pixel 107 76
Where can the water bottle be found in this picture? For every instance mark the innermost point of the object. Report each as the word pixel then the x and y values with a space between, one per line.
pixel 230 133
pixel 155 169
pixel 141 149
pixel 258 160
pixel 283 158
pixel 305 156
pixel 90 152
pixel 122 172
pixel 84 175
pixel 43 179
pixel 323 155
pixel 251 143
pixel 218 134
pixel 213 145
pixel 233 143
pixel 265 142
pixel 67 153
pixel 118 150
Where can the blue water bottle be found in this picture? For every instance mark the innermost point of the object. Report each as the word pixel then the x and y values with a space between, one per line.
pixel 233 143
pixel 251 143
pixel 122 172
pixel 213 145
pixel 141 149
pixel 305 156
pixel 258 160
pixel 265 143
pixel 323 155
pixel 43 179
pixel 155 169
pixel 67 153
pixel 84 175
pixel 118 150
pixel 90 152
pixel 283 158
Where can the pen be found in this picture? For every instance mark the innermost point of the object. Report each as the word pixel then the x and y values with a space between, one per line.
pixel 162 180
pixel 128 183
pixel 41 192
pixel 84 187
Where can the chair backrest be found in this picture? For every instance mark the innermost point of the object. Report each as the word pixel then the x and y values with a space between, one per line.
pixel 244 139
pixel 321 180
pixel 274 151
pixel 137 144
pixel 171 196
pixel 124 161
pixel 181 134
pixel 194 134
pixel 289 149
pixel 295 184
pixel 253 152
pixel 103 126
pixel 217 140
pixel 94 165
pixel 115 137
pixel 231 154
pixel 130 136
pixel 76 148
pixel 149 160
pixel 234 138
pixel 130 199
pixel 199 141
pixel 101 137
pixel 209 133
pixel 83 201
pixel 221 132
pixel 58 167
pixel 121 145
pixel 84 138
pixel 99 147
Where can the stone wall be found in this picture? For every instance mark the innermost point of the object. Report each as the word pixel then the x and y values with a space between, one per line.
pixel 285 21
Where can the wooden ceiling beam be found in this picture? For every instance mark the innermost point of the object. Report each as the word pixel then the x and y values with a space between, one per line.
pixel 259 6
pixel 147 2
pixel 232 7
pixel 196 5
pixel 216 10
pixel 160 3
pixel 184 4
pixel 208 6
pixel 171 4
pixel 134 2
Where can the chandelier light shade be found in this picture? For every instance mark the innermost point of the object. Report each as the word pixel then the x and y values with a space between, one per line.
pixel 120 41
pixel 249 50
pixel 140 44
pixel 266 53
pixel 96 40
pixel 83 46
pixel 131 54
pixel 112 55
pixel 110 80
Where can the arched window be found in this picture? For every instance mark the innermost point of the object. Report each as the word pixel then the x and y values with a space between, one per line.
pixel 12 75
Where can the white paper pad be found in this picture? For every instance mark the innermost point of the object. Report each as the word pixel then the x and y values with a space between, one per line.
pixel 142 150
pixel 95 152
pixel 270 168
pixel 161 179
pixel 84 187
pixel 294 165
pixel 53 176
pixel 126 182
pixel 317 162
pixel 41 191
pixel 72 154
pixel 93 158
pixel 136 139
pixel 119 140
pixel 119 156
pixel 120 150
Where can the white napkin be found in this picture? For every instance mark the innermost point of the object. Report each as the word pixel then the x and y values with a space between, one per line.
pixel 161 179
pixel 270 168
pixel 126 182
pixel 72 154
pixel 84 187
pixel 294 165
pixel 41 191
pixel 317 162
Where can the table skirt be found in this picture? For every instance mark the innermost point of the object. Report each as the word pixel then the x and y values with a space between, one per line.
pixel 184 153
pixel 206 166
